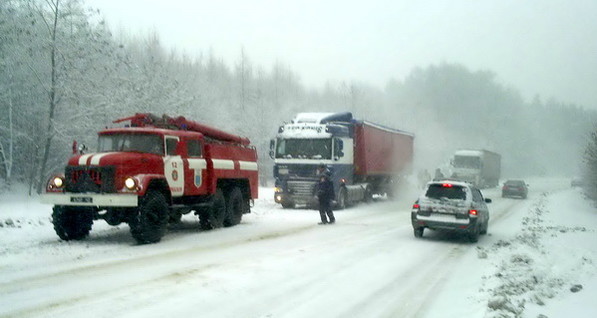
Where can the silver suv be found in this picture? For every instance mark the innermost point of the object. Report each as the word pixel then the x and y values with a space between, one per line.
pixel 451 205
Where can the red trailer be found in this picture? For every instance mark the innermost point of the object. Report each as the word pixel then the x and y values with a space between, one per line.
pixel 380 150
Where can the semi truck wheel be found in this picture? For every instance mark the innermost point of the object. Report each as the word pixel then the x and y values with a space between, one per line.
pixel 72 223
pixel 150 220
pixel 235 207
pixel 287 205
pixel 341 203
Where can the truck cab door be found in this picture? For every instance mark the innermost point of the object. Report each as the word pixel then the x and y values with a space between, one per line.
pixel 195 168
pixel 173 166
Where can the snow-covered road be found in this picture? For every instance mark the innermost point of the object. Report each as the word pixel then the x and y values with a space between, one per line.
pixel 280 263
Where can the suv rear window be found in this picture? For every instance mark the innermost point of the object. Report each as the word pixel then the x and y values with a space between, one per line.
pixel 448 191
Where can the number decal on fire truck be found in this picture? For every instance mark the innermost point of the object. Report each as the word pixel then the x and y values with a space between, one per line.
pixel 174 174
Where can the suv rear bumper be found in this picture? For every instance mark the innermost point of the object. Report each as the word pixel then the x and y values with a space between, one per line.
pixel 91 199
pixel 434 223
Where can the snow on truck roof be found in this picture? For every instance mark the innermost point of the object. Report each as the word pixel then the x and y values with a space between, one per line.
pixel 310 118
pixel 468 153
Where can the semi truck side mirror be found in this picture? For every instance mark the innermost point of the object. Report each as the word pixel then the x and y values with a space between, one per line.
pixel 338 149
pixel 272 145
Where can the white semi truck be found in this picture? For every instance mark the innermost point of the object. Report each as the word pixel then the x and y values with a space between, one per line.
pixel 479 167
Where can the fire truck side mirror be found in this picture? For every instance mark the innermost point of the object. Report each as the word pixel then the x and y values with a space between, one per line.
pixel 82 149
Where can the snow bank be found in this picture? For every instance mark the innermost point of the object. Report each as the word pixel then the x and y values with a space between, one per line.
pixel 550 259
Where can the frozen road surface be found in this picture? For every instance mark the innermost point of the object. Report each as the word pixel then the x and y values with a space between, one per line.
pixel 280 263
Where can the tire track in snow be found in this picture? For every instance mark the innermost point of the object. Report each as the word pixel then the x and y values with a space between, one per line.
pixel 42 281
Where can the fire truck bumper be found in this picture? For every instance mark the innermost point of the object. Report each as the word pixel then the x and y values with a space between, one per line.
pixel 91 199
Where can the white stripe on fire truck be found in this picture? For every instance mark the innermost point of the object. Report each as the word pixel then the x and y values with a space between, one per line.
pixel 83 159
pixel 223 164
pixel 95 160
pixel 248 165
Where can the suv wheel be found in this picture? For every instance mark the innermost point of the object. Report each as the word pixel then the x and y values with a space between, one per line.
pixel 474 235
pixel 419 231
pixel 485 228
pixel 150 221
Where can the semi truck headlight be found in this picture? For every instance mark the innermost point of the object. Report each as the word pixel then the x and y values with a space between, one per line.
pixel 130 183
pixel 277 189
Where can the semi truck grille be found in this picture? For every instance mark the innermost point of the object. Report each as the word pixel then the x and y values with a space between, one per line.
pixel 90 179
pixel 301 191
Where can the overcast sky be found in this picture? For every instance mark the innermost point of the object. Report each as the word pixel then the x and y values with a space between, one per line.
pixel 544 47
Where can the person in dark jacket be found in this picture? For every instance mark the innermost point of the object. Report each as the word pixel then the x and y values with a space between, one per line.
pixel 325 195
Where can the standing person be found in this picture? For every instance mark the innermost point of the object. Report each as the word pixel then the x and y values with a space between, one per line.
pixel 321 170
pixel 325 194
pixel 438 174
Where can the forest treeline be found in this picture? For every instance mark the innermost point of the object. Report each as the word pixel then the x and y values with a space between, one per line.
pixel 64 76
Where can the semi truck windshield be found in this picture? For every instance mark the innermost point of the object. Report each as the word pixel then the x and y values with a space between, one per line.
pixel 304 148
pixel 467 162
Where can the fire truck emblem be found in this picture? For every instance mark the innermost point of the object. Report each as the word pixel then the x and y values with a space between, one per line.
pixel 174 175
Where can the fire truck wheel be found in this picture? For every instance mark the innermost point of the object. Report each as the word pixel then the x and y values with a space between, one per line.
pixel 150 221
pixel 235 208
pixel 214 217
pixel 72 223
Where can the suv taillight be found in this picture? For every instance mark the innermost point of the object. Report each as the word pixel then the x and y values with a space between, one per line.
pixel 472 212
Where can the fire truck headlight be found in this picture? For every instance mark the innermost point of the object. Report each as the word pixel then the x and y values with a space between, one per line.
pixel 130 183
pixel 57 183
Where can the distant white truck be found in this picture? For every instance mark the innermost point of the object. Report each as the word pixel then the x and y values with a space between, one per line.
pixel 482 167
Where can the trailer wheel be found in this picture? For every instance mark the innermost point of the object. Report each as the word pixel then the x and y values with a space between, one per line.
pixel 149 222
pixel 235 208
pixel 72 223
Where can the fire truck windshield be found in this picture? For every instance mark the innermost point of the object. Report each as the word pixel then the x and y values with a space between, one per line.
pixel 146 143
pixel 304 148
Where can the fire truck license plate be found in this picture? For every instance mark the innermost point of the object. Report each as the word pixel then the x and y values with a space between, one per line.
pixel 81 199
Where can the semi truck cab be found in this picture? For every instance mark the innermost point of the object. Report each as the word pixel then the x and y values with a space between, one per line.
pixel 310 140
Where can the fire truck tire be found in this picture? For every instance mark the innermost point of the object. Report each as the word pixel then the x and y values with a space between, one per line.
pixel 234 207
pixel 72 223
pixel 214 217
pixel 150 221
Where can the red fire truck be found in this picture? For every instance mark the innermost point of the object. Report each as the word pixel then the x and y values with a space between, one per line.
pixel 151 172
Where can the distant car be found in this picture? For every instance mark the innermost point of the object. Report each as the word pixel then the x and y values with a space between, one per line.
pixel 451 205
pixel 515 188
